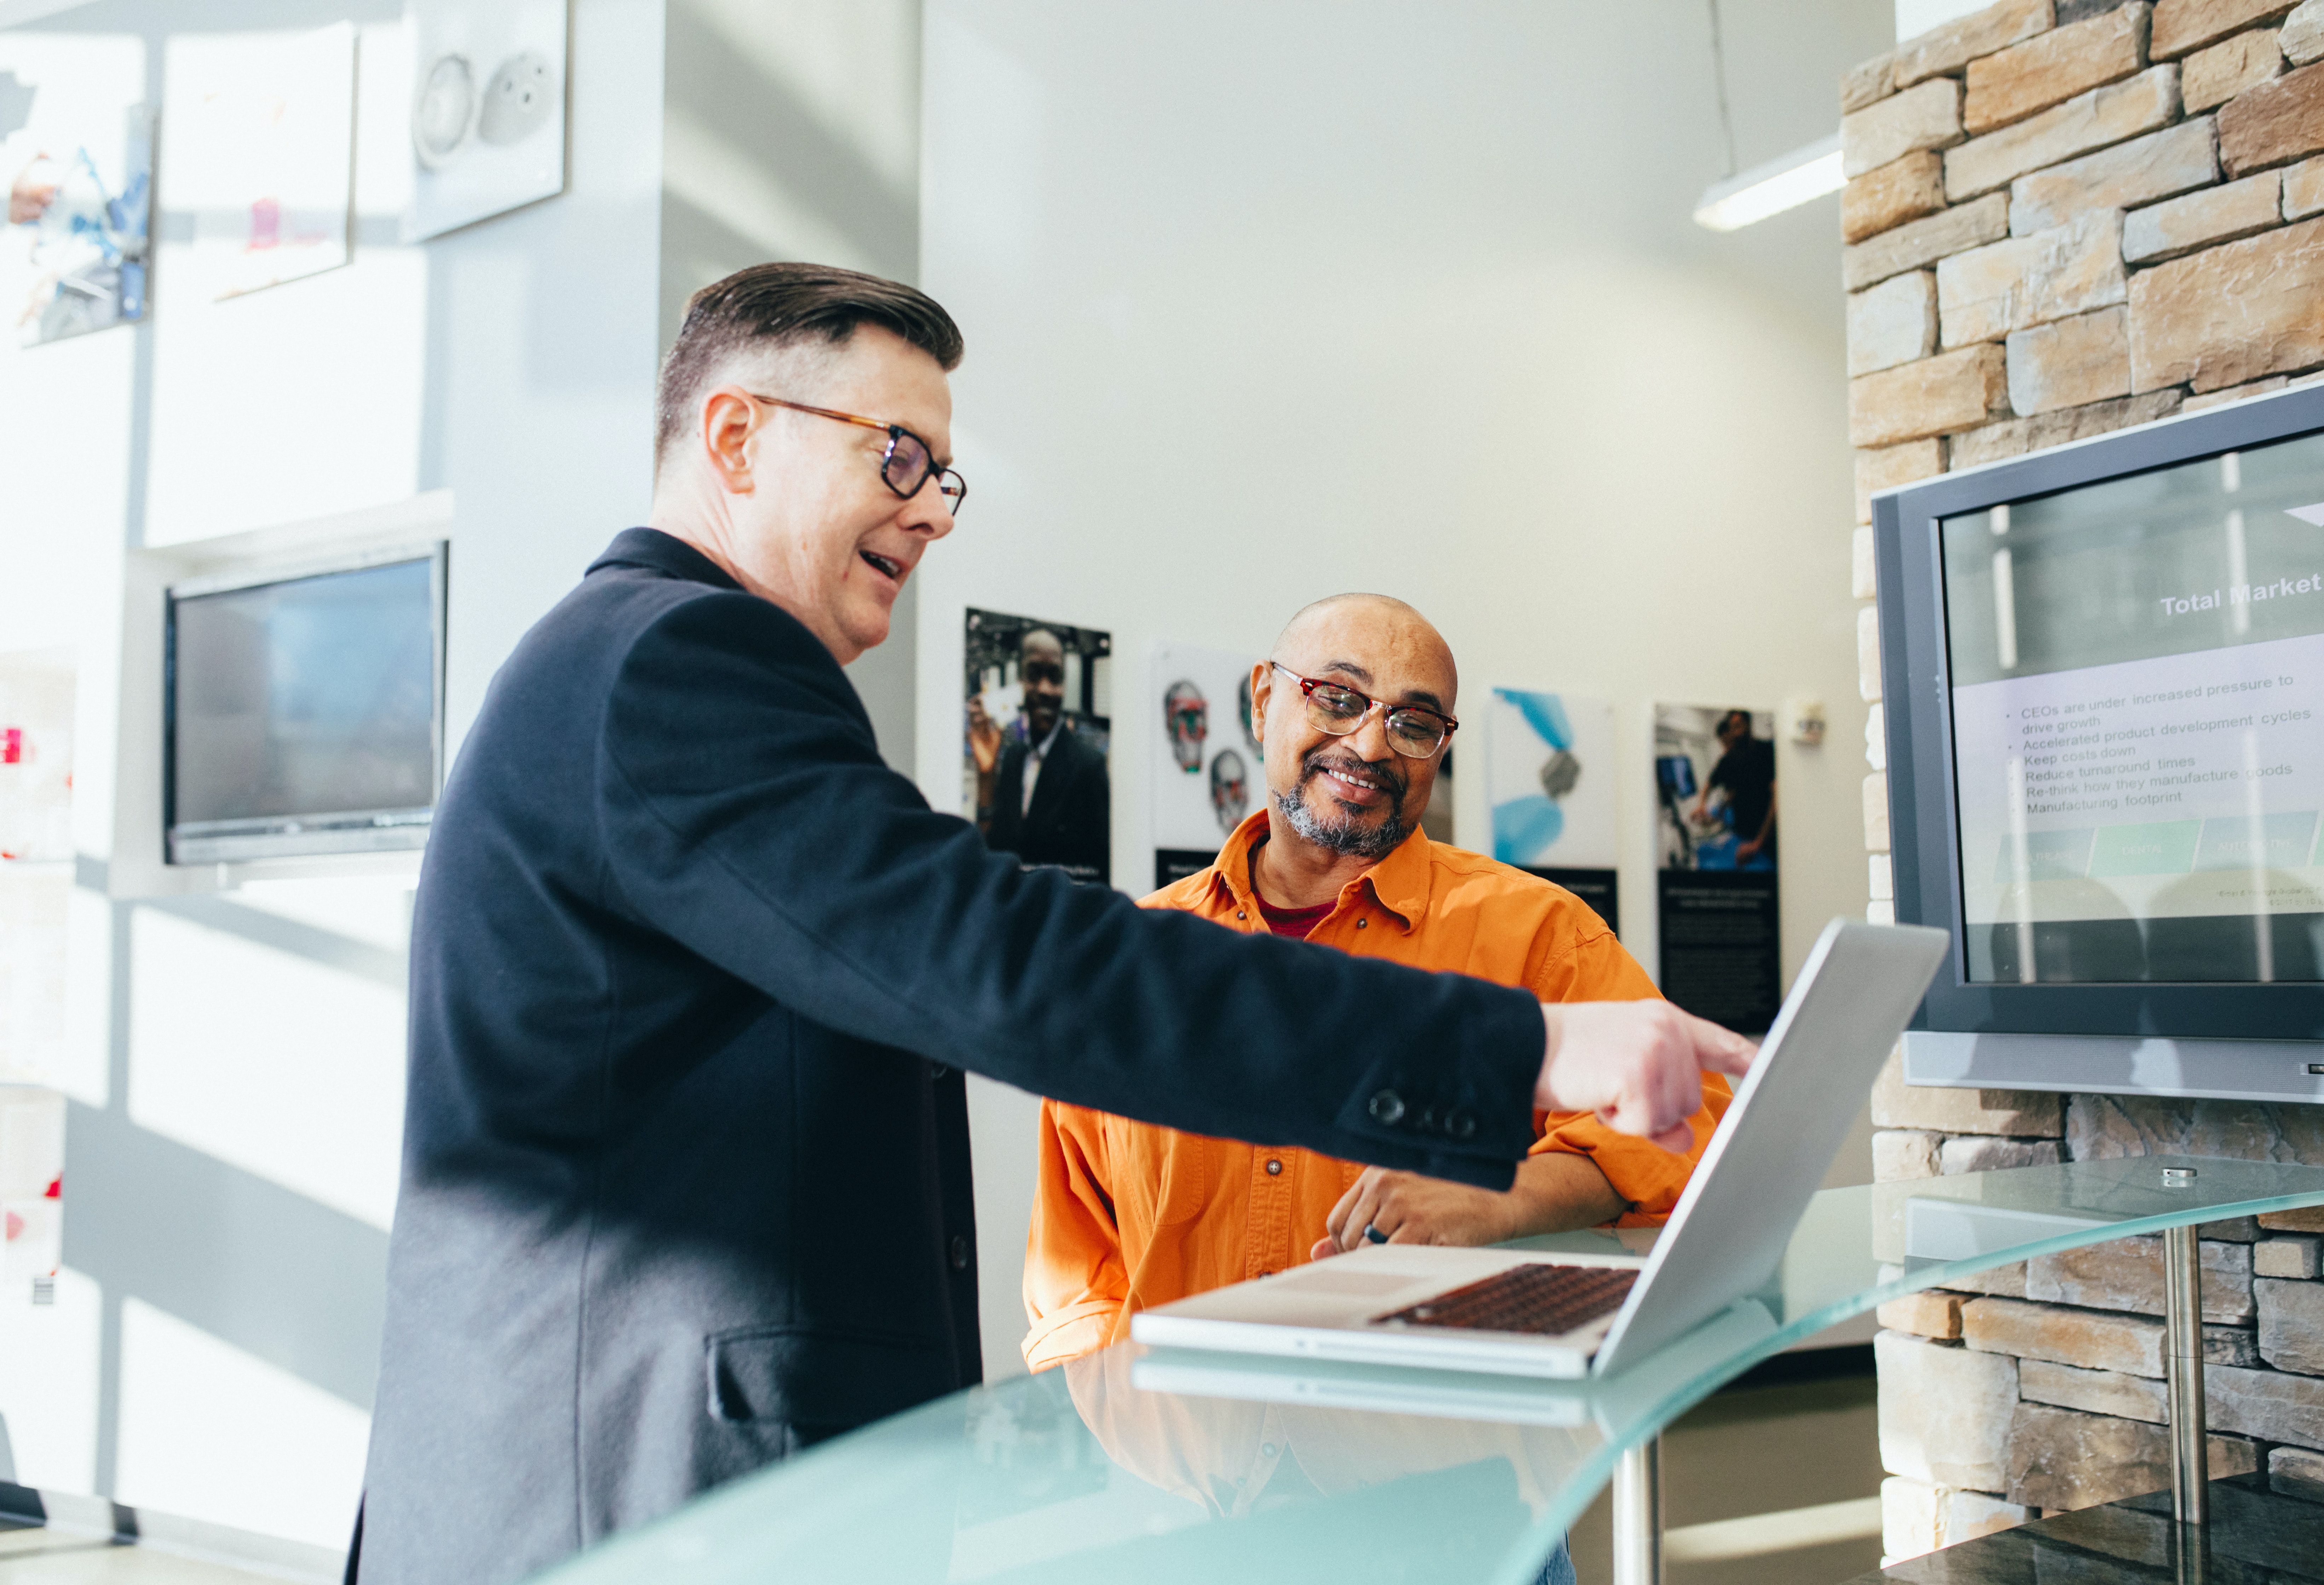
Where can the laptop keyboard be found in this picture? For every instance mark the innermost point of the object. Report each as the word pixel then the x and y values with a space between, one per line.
pixel 1543 1300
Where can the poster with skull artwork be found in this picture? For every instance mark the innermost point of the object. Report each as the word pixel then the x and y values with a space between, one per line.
pixel 1206 771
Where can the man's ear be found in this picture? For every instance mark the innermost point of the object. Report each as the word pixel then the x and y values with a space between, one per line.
pixel 728 420
pixel 1262 687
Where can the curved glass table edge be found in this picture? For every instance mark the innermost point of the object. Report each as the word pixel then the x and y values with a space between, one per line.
pixel 1633 1405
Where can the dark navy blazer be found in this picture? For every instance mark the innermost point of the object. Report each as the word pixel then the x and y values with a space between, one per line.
pixel 686 1175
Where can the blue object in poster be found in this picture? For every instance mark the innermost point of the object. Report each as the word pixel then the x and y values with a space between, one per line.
pixel 1523 827
pixel 1546 713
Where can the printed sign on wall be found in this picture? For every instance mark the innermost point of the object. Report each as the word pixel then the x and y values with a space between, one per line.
pixel 1549 773
pixel 1207 773
pixel 1715 812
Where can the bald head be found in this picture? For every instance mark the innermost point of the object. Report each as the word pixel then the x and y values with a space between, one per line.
pixel 1377 632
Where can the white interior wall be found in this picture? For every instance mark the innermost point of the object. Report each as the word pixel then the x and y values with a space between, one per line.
pixel 1264 303
pixel 235 1061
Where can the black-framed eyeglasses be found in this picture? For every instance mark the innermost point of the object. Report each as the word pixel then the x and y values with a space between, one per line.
pixel 1414 731
pixel 908 463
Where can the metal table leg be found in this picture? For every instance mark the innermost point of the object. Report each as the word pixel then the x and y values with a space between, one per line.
pixel 1638 1515
pixel 2182 1321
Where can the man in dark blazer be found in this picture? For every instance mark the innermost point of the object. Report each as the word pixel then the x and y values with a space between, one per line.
pixel 1067 819
pixel 694 975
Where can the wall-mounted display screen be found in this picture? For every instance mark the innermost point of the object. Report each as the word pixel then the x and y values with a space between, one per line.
pixel 2134 667
pixel 302 713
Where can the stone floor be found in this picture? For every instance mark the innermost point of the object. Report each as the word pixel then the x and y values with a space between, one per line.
pixel 51 1557
pixel 2257 1538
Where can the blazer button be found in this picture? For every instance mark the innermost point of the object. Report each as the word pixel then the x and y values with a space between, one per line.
pixel 1274 1169
pixel 1459 1124
pixel 938 1070
pixel 959 1252
pixel 1388 1107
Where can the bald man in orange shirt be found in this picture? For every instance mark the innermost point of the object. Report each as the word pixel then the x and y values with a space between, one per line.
pixel 1355 712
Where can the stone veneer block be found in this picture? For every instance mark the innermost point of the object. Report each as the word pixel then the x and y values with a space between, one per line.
pixel 1984 1153
pixel 1918 244
pixel 2095 1392
pixel 2002 1282
pixel 1916 1517
pixel 1956 43
pixel 1905 189
pixel 1901 1155
pixel 2232 1345
pixel 2214 76
pixel 2089 1338
pixel 2309 1221
pixel 1931 1312
pixel 2231 313
pixel 1986 294
pixel 1889 466
pixel 2273 1406
pixel 1944 1413
pixel 2292 1324
pixel 1867 652
pixel 2303 189
pixel 2181 25
pixel 2235 1230
pixel 1875 814
pixel 2126 1274
pixel 1924 117
pixel 2089 121
pixel 2108 1125
pixel 1894 323
pixel 1863 577
pixel 1880 878
pixel 2050 68
pixel 2292 1470
pixel 1866 82
pixel 2181 225
pixel 2303 37
pixel 2293 1255
pixel 2172 161
pixel 2016 437
pixel 2065 1459
pixel 2072 363
pixel 2273 123
pixel 1876 738
pixel 2016 1113
pixel 2196 404
pixel 1933 396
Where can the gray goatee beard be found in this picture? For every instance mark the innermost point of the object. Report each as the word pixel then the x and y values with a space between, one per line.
pixel 1341 834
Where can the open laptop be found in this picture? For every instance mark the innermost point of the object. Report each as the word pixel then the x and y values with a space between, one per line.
pixel 1528 1314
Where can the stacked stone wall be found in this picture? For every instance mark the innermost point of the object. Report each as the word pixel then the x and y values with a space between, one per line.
pixel 2064 217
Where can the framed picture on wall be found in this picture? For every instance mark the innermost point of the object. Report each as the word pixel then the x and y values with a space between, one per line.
pixel 77 153
pixel 1037 734
pixel 259 134
pixel 487 109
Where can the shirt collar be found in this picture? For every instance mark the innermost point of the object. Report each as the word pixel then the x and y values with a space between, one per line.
pixel 663 553
pixel 1399 883
pixel 1041 749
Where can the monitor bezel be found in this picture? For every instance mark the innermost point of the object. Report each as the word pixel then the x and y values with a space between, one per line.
pixel 1923 814
pixel 297 836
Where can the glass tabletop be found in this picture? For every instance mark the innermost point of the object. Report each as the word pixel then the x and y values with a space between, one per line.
pixel 1142 1464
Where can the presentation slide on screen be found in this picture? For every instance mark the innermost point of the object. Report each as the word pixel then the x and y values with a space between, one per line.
pixel 2178 786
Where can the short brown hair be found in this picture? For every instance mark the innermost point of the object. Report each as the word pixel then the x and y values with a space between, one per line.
pixel 768 307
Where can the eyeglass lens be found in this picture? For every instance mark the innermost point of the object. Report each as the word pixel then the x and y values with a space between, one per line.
pixel 909 466
pixel 1339 711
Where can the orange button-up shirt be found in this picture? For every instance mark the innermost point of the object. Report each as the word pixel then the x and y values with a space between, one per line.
pixel 1128 1215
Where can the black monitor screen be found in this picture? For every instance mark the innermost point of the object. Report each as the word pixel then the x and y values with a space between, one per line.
pixel 310 697
pixel 2136 669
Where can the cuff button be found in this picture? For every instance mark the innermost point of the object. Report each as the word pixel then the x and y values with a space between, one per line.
pixel 1461 1125
pixel 1388 1107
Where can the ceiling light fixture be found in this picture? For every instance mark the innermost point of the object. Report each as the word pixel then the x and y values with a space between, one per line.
pixel 1781 183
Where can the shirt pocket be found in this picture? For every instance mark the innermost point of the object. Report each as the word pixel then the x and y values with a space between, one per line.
pixel 1161 1175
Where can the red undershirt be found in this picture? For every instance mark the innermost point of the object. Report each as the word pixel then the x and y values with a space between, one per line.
pixel 1295 923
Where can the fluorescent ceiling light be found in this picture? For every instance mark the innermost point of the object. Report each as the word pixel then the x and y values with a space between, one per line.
pixel 1781 183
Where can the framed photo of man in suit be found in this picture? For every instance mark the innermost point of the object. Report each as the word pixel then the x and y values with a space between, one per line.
pixel 1036 730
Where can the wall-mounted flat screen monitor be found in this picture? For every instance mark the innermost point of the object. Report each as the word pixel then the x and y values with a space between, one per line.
pixel 303 710
pixel 2104 676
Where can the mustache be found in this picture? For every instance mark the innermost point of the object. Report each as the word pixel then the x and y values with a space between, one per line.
pixel 1382 771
